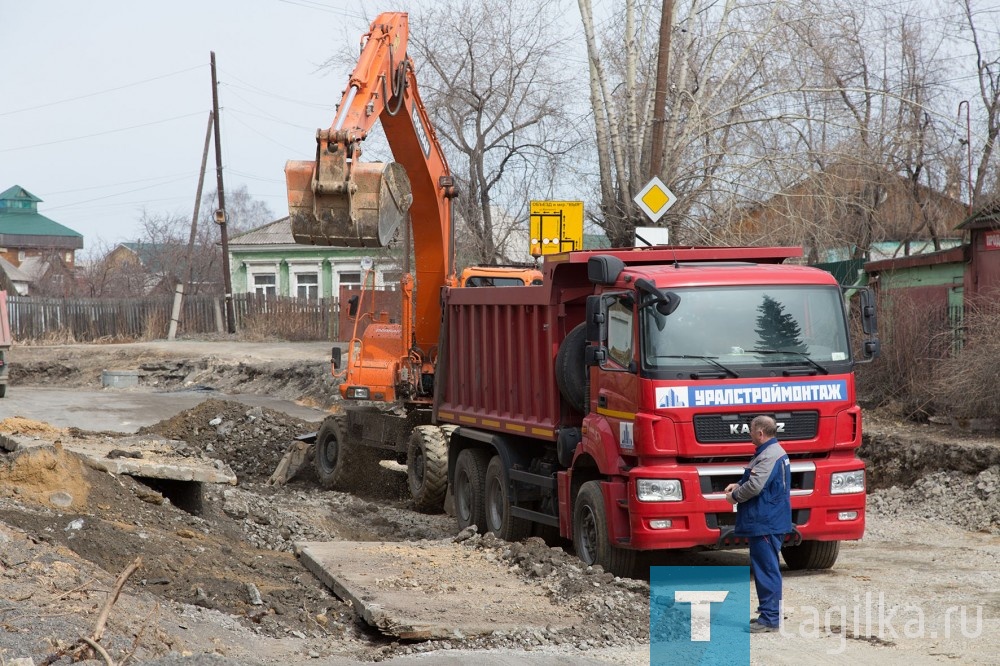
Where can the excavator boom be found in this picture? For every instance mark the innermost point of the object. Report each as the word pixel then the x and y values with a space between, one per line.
pixel 339 200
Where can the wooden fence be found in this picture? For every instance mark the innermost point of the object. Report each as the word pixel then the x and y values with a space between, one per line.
pixel 93 319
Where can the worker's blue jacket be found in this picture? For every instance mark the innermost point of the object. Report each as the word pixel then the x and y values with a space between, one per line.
pixel 763 494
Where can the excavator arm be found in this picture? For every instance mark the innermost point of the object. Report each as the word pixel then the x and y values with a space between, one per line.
pixel 339 200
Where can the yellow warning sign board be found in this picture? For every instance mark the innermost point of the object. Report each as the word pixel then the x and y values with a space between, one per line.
pixel 556 226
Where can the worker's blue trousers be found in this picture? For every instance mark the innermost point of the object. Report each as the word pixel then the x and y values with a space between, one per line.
pixel 767 576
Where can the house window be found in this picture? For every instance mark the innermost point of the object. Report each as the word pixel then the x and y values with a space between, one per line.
pixel 352 279
pixel 307 285
pixel 20 255
pixel 265 284
pixel 390 280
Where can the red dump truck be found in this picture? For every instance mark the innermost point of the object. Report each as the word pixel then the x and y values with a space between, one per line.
pixel 613 402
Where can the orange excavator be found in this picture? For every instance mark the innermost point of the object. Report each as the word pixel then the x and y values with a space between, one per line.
pixel 340 200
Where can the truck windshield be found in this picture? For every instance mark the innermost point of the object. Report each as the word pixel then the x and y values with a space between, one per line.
pixel 749 331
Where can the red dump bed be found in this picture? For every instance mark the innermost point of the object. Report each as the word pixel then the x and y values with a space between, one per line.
pixel 498 363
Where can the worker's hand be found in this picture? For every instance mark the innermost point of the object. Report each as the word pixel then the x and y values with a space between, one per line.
pixel 729 493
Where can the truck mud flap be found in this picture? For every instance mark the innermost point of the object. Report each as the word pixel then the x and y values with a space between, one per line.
pixel 728 540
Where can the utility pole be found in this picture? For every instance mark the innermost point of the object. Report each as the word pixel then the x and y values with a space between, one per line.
pixel 660 94
pixel 220 214
pixel 179 293
pixel 660 99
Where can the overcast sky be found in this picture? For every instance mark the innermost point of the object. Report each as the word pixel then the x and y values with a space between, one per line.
pixel 104 103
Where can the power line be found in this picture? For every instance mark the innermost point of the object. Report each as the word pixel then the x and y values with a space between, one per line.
pixel 105 133
pixel 99 92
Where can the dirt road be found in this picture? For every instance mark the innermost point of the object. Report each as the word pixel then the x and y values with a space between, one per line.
pixel 922 587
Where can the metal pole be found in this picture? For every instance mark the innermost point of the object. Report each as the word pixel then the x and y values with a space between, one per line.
pixel 968 144
pixel 221 213
pixel 178 297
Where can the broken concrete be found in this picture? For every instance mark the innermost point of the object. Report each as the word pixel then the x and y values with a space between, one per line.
pixel 431 590
pixel 142 456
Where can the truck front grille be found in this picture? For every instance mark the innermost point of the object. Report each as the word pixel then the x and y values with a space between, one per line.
pixel 730 428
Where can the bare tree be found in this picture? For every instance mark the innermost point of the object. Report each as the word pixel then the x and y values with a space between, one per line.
pixel 987 66
pixel 492 78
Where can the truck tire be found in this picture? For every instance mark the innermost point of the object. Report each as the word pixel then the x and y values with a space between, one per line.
pixel 470 488
pixel 340 464
pixel 590 533
pixel 498 517
pixel 3 390
pixel 427 468
pixel 571 369
pixel 811 555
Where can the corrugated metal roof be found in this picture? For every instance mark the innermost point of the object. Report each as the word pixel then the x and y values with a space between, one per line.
pixel 30 223
pixel 278 232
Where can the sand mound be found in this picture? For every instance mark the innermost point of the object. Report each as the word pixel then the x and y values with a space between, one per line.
pixel 18 425
pixel 45 475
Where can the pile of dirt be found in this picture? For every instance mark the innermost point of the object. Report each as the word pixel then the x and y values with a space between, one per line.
pixel 251 440
pixel 202 560
pixel 47 476
pixel 18 425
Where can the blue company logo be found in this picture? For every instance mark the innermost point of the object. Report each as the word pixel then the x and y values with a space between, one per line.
pixel 751 394
pixel 699 615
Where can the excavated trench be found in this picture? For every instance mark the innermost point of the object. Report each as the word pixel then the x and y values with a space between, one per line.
pixel 933 472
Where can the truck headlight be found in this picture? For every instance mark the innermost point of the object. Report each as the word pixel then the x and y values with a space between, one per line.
pixel 357 392
pixel 843 483
pixel 659 490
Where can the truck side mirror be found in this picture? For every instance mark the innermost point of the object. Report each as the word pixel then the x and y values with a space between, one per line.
pixel 596 318
pixel 604 269
pixel 872 348
pixel 352 306
pixel 335 357
pixel 869 313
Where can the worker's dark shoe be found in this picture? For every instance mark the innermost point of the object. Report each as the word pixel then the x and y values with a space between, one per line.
pixel 759 628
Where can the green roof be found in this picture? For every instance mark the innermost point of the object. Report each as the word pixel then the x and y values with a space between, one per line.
pixel 29 223
pixel 19 193
pixel 23 219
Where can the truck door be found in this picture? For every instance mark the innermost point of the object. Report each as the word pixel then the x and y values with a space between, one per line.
pixel 618 386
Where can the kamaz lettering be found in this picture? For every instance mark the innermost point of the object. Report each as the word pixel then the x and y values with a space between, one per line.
pixel 744 428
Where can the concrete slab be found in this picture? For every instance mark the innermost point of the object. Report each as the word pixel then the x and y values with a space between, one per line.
pixel 157 458
pixel 429 590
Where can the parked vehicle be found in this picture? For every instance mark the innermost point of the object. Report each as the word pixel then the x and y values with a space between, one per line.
pixel 612 401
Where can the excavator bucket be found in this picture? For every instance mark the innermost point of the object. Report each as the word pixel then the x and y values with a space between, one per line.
pixel 362 209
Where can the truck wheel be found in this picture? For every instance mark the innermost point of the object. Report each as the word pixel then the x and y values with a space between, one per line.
pixel 811 555
pixel 470 488
pixel 339 463
pixel 498 517
pixel 590 533
pixel 3 390
pixel 571 369
pixel 427 468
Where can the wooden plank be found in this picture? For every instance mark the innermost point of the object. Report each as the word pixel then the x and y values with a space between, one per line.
pixel 431 590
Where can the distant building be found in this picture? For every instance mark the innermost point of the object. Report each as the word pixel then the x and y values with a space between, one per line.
pixel 35 245
pixel 268 261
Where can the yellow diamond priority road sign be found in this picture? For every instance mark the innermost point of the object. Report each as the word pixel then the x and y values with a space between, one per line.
pixel 654 199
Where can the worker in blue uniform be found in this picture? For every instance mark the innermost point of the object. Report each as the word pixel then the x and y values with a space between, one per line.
pixel 764 515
